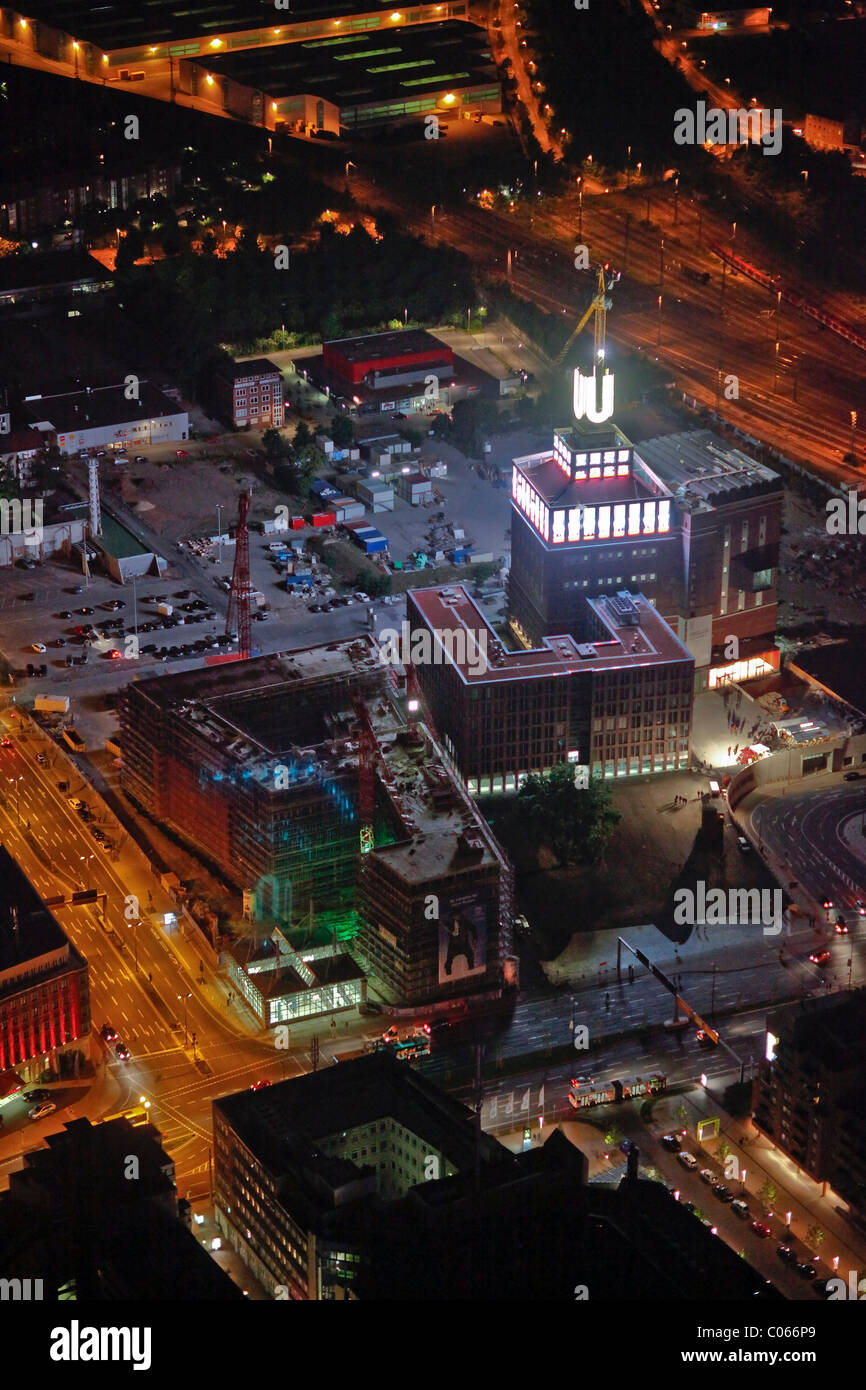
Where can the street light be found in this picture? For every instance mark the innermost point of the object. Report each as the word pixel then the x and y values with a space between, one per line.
pixel 184 998
pixel 135 926
pixel 85 860
pixel 853 429
pixel 16 783
pixel 219 534
pixel 659 335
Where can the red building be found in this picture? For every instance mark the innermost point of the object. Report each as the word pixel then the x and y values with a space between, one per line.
pixel 385 355
pixel 44 982
pixel 250 393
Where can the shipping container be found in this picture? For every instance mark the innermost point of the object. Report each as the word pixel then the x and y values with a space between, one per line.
pixel 51 704
pixel 323 519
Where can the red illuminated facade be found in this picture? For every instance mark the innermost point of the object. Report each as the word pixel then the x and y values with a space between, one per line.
pixel 44 982
pixel 357 360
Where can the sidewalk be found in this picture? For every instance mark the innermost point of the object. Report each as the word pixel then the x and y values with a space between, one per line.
pixel 761 1160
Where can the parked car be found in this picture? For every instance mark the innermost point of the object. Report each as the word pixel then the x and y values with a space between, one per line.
pixel 35 1097
pixel 687 1160
pixel 743 844
pixel 787 1255
pixel 671 1142
pixel 761 1229
pixel 741 1209
pixel 806 1271
pixel 37 647
pixel 819 957
pixel 852 777
pixel 85 612
pixel 140 458
pixel 708 1176
pixel 723 1193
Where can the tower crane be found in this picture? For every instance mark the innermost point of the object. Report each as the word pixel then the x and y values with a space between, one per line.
pixel 601 301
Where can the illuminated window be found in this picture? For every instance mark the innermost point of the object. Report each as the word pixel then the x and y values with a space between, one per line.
pixel 603 523
pixel 574 524
pixel 664 516
pixel 558 527
pixel 634 510
pixel 649 518
pixel 619 520
pixel 588 522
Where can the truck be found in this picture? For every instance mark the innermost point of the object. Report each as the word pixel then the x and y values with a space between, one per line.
pixel 51 704
pixel 164 609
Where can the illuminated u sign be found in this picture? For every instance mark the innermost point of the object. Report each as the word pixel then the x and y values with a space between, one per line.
pixel 584 397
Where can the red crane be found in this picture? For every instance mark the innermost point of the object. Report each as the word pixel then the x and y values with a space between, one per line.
pixel 239 594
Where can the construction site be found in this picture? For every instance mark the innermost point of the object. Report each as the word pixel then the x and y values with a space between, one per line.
pixel 300 780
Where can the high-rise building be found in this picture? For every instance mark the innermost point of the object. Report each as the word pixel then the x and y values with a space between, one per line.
pixel 44 984
pixel 809 1093
pixel 685 519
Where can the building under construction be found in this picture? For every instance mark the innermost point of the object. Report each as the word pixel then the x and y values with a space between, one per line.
pixel 297 777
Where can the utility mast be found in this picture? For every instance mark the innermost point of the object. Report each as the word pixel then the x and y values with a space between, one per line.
pixel 239 594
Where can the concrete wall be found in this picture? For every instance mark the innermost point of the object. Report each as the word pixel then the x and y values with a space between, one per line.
pixel 51 539
pixel 787 764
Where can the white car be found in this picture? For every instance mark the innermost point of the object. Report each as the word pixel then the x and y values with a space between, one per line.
pixel 708 1176
pixel 687 1160
pixel 37 646
pixel 40 1112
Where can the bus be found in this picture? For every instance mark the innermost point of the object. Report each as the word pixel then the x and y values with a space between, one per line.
pixel 73 738
pixel 416 1044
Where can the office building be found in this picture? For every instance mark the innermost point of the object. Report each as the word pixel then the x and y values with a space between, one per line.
pixel 105 416
pixel 366 1181
pixel 44 984
pixel 617 702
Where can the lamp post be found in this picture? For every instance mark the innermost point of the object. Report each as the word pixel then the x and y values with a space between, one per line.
pixel 85 872
pixel 219 534
pixel 662 264
pixel 183 998
pixel 580 207
pixel 853 430
pixel 135 926
pixel 659 334
pixel 433 220
pixel 776 366
pixel 676 199
pixel 16 783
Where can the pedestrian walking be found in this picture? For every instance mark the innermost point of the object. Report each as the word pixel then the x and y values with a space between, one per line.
pixel 729 750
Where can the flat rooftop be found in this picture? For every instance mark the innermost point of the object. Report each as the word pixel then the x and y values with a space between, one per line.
pixel 116 24
pixel 39 269
pixel 703 471
pixel 38 931
pixel 453 610
pixel 547 477
pixel 374 346
pixel 253 366
pixel 81 409
pixel 351 69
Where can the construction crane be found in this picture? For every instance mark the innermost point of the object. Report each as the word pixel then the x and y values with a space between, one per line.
pixel 241 588
pixel 605 280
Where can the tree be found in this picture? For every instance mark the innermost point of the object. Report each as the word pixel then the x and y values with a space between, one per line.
pixel 275 446
pixel 342 431
pixel 130 250
pixel 723 1150
pixel 303 436
pixel 768 1192
pixel 377 585
pixel 815 1237
pixel 575 823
